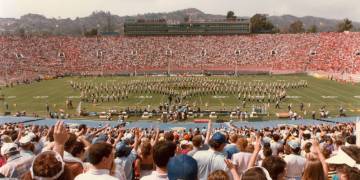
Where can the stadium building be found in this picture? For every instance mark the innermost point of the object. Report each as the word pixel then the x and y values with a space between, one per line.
pixel 161 27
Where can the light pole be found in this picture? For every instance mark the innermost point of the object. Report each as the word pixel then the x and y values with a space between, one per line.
pixel 102 63
pixel 133 56
pixel 168 54
pixel 202 54
pixel 6 72
pixel 97 29
pixel 237 54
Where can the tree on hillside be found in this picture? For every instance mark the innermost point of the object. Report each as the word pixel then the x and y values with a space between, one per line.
pixel 345 25
pixel 313 29
pixel 187 18
pixel 260 24
pixel 21 32
pixel 109 22
pixel 92 32
pixel 296 27
pixel 230 15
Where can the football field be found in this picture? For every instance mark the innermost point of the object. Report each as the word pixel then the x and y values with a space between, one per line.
pixel 319 92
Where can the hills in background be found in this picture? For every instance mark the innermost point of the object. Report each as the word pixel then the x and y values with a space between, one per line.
pixel 34 23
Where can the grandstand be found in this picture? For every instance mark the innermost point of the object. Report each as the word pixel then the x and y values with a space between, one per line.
pixel 325 54
pixel 161 27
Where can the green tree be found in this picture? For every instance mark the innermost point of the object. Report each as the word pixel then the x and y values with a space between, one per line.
pixel 296 27
pixel 260 24
pixel 187 18
pixel 345 25
pixel 230 15
pixel 22 32
pixel 92 32
pixel 313 29
pixel 109 22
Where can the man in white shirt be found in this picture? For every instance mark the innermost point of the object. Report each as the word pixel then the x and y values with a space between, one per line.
pixel 162 153
pixel 295 163
pixel 242 158
pixel 197 145
pixel 101 157
pixel 16 165
pixel 212 159
pixel 276 145
pixel 26 146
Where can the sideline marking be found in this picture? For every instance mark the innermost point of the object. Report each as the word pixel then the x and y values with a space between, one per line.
pixel 72 97
pixel 329 97
pixel 293 97
pixel 40 97
pixel 144 97
pixel 220 97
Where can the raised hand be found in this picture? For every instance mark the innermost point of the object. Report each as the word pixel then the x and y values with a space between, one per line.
pixel 257 146
pixel 60 133
pixel 229 164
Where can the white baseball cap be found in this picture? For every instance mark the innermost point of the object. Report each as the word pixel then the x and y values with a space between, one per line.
pixel 8 148
pixel 307 132
pixel 342 158
pixel 25 140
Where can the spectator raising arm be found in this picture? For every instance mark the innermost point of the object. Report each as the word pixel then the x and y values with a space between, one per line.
pixel 208 132
pixel 156 138
pixel 232 169
pixel 60 137
pixel 321 157
pixel 257 149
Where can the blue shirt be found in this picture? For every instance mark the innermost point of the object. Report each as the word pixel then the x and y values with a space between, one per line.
pixel 124 164
pixel 230 149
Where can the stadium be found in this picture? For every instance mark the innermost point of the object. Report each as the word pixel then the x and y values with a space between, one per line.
pixel 240 62
pixel 223 98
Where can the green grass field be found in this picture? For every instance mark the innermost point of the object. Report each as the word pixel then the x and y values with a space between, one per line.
pixel 32 98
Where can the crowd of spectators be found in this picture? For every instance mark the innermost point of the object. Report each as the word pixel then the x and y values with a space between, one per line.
pixel 60 152
pixel 31 57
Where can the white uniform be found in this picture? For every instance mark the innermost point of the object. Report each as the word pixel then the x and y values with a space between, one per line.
pixel 209 161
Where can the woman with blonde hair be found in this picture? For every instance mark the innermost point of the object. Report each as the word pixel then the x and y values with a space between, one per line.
pixel 316 167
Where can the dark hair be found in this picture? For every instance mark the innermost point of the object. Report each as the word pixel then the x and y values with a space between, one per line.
pixel 307 147
pixel 326 153
pixel 274 165
pixel 296 150
pixel 267 151
pixel 146 149
pixel 255 173
pixel 233 138
pixel 215 145
pixel 169 136
pixel 82 126
pixel 242 144
pixel 351 139
pixel 69 144
pixel 51 134
pixel 98 151
pixel 276 137
pixel 162 152
pixel 306 136
pixel 28 147
pixel 218 175
pixel 78 148
pixel 197 140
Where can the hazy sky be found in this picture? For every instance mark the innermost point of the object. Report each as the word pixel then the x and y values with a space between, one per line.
pixel 337 9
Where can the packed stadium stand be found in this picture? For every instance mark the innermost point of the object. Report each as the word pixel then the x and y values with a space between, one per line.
pixel 33 57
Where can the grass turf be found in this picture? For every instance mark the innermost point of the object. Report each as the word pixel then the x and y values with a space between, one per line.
pixel 32 98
